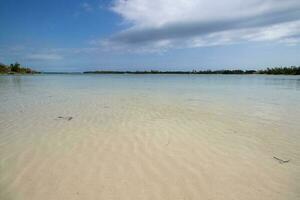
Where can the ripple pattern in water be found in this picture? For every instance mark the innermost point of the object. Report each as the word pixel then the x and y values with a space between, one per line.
pixel 149 137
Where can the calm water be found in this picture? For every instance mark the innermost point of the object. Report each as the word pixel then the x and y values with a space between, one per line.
pixel 153 126
pixel 271 98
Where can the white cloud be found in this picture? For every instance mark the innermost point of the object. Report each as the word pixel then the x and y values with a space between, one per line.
pixel 160 12
pixel 44 57
pixel 86 7
pixel 163 24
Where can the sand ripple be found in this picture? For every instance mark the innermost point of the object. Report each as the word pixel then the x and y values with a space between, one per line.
pixel 137 145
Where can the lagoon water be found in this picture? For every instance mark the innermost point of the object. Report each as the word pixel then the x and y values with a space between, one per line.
pixel 149 137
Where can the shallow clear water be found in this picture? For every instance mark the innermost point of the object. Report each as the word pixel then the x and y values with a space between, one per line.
pixel 149 137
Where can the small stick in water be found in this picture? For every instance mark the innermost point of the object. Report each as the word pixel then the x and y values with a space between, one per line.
pixel 280 160
pixel 65 118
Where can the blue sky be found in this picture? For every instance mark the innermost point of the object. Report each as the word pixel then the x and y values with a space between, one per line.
pixel 74 35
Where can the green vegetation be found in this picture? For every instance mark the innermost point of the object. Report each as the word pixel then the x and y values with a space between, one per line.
pixel 281 70
pixel 173 72
pixel 293 70
pixel 275 71
pixel 15 69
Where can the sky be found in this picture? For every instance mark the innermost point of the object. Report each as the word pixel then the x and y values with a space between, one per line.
pixel 76 35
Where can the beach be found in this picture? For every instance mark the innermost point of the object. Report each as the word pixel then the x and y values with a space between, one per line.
pixel 154 137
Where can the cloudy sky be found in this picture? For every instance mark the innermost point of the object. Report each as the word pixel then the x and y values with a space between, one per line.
pixel 75 35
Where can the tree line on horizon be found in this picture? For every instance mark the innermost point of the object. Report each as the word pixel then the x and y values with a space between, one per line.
pixel 293 70
pixel 15 68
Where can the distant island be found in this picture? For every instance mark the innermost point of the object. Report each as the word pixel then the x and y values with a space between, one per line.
pixel 15 69
pixel 18 69
pixel 272 71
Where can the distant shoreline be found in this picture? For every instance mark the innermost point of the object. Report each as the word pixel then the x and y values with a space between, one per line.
pixel 16 69
pixel 269 71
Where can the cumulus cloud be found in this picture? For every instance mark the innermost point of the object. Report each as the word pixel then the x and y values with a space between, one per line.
pixel 164 24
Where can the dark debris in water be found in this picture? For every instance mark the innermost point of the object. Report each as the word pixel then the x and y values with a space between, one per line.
pixel 65 118
pixel 281 161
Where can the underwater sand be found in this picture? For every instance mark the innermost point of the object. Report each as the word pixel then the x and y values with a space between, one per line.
pixel 155 137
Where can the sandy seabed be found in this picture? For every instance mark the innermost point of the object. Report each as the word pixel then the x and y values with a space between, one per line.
pixel 138 146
